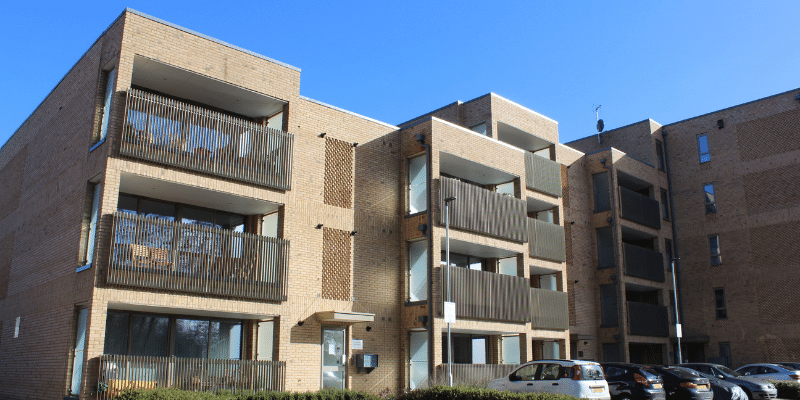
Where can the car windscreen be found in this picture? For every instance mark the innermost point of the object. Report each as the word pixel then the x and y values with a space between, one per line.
pixel 690 371
pixel 649 374
pixel 592 372
pixel 680 373
pixel 728 371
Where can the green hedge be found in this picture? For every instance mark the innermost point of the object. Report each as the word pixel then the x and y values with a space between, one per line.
pixel 788 389
pixel 435 393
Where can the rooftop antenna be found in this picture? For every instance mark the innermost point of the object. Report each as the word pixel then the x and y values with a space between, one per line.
pixel 600 124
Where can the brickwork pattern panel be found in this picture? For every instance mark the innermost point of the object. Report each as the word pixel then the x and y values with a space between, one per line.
pixel 773 189
pixel 779 349
pixel 770 135
pixel 775 299
pixel 338 173
pixel 11 182
pixel 335 264
pixel 775 245
pixel 6 249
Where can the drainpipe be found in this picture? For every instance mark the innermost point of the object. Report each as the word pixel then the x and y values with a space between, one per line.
pixel 617 264
pixel 429 236
pixel 675 259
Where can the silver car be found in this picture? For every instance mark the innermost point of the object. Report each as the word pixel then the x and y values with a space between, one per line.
pixel 773 372
pixel 577 378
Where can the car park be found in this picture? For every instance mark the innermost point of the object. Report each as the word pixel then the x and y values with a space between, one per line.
pixel 577 378
pixel 633 382
pixel 772 372
pixel 756 389
pixel 722 390
pixel 681 385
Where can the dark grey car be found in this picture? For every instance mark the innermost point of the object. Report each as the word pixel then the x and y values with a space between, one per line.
pixel 756 389
pixel 722 390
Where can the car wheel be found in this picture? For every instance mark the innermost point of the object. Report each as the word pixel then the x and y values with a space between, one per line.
pixel 624 397
pixel 748 393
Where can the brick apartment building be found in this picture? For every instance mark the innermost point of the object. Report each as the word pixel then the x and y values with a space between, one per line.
pixel 175 213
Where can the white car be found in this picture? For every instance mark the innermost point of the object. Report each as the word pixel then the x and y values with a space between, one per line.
pixel 581 379
pixel 772 372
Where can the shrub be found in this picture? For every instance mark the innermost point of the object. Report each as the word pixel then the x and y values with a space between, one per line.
pixel 471 393
pixel 788 389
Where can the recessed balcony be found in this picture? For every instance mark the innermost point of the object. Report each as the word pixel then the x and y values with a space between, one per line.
pixel 484 211
pixel 647 319
pixel 640 209
pixel 643 263
pixel 546 240
pixel 549 309
pixel 488 295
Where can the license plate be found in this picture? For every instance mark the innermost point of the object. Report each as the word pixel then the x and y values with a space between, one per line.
pixel 702 387
pixel 656 386
pixel 598 390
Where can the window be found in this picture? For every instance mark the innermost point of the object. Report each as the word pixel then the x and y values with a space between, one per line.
pixel 702 148
pixel 664 205
pixel 467 349
pixel 725 352
pixel 505 188
pixel 418 270
pixel 417 184
pixel 605 248
pixel 672 307
pixel 510 350
pixel 711 201
pixel 660 155
pixel 608 305
pixel 80 347
pixel 713 243
pixel 89 231
pixel 154 336
pixel 719 303
pixel 480 128
pixel 507 266
pixel 668 253
pixel 602 201
pixel 465 261
pixel 527 373
pixel 105 111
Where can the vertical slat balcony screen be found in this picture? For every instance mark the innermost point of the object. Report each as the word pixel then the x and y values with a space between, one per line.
pixel 474 374
pixel 542 175
pixel 479 210
pixel 163 254
pixel 546 240
pixel 640 209
pixel 549 309
pixel 643 263
pixel 118 373
pixel 170 132
pixel 647 319
pixel 487 295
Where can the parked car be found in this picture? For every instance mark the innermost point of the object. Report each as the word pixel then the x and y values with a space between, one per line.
pixel 633 382
pixel 756 389
pixel 722 390
pixel 773 372
pixel 681 385
pixel 577 378
pixel 790 365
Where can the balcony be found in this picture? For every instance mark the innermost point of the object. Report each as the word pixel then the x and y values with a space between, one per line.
pixel 118 373
pixel 487 295
pixel 546 240
pixel 643 263
pixel 647 319
pixel 542 175
pixel 640 209
pixel 473 374
pixel 483 211
pixel 549 309
pixel 170 132
pixel 159 253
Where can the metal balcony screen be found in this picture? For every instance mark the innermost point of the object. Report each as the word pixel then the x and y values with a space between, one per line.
pixel 546 240
pixel 483 211
pixel 472 374
pixel 643 263
pixel 647 319
pixel 163 254
pixel 171 132
pixel 487 295
pixel 549 309
pixel 542 175
pixel 640 209
pixel 118 373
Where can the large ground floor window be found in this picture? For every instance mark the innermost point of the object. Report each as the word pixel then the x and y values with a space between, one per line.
pixel 154 335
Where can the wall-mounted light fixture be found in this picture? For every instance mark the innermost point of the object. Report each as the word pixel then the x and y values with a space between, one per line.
pixel 319 226
pixel 369 328
pixel 353 233
pixel 300 323
pixel 322 135
pixel 355 144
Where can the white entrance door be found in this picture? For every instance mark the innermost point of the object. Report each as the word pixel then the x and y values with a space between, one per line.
pixel 334 358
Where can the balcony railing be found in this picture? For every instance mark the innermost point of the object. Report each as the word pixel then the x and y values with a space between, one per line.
pixel 546 240
pixel 549 309
pixel 472 374
pixel 487 295
pixel 157 253
pixel 647 319
pixel 118 373
pixel 171 132
pixel 640 209
pixel 643 263
pixel 483 211
pixel 542 175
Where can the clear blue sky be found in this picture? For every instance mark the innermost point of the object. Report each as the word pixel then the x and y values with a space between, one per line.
pixel 393 61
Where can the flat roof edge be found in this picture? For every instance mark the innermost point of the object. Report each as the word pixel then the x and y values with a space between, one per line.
pixel 198 34
pixel 732 107
pixel 347 112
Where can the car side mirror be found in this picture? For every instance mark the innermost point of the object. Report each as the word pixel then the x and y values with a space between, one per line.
pixel 721 377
